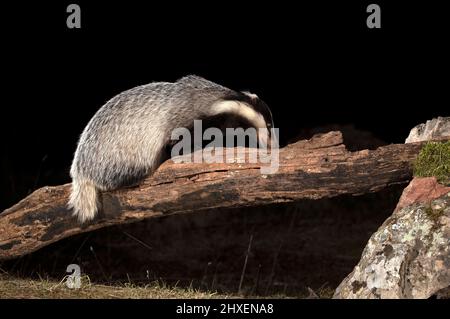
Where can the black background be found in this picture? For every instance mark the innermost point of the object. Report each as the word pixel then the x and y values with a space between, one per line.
pixel 314 63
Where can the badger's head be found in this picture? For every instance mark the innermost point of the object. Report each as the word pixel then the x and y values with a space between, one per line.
pixel 250 108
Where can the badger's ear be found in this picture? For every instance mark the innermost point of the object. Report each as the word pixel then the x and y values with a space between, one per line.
pixel 250 95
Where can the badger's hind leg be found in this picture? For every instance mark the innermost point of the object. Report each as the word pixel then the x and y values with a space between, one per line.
pixel 85 195
pixel 84 199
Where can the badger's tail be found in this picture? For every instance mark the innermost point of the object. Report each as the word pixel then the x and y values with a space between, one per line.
pixel 84 199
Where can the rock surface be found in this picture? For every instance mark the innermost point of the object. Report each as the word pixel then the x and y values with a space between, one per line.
pixel 435 128
pixel 409 255
pixel 421 190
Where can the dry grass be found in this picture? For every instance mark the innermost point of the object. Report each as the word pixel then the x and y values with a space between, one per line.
pixel 26 288
pixel 11 287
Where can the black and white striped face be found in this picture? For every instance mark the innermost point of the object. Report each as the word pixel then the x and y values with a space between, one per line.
pixel 261 107
pixel 251 108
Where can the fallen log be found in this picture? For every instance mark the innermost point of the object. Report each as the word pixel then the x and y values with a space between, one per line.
pixel 310 169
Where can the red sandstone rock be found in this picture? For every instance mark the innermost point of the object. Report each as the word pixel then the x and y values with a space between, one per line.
pixel 421 190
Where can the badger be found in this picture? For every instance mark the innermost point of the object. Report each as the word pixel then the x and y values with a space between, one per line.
pixel 125 140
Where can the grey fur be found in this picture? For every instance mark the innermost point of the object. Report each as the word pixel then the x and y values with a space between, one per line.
pixel 124 141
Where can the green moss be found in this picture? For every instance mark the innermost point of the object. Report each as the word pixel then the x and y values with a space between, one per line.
pixel 434 160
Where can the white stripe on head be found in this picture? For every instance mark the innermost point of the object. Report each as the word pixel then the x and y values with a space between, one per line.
pixel 241 109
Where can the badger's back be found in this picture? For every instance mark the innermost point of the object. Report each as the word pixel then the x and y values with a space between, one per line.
pixel 125 140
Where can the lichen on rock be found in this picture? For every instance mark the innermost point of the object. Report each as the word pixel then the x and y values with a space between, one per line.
pixel 409 255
